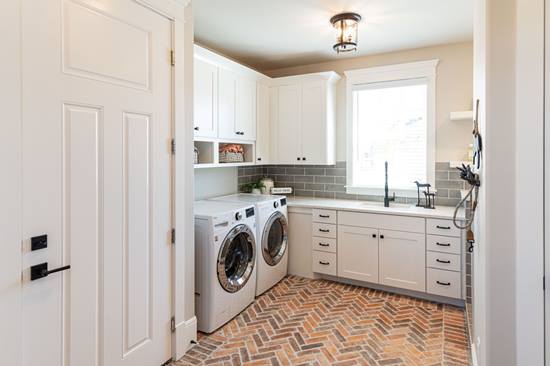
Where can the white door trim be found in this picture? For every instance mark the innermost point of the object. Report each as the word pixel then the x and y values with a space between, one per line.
pixel 10 185
pixel 183 296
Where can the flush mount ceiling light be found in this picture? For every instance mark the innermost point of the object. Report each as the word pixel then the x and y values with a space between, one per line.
pixel 346 25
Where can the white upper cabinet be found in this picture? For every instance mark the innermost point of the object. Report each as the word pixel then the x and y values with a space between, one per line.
pixel 245 121
pixel 287 140
pixel 225 97
pixel 227 104
pixel 305 119
pixel 263 127
pixel 205 99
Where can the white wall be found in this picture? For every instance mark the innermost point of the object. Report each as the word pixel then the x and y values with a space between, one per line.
pixel 508 267
pixel 10 183
pixel 454 91
pixel 211 182
pixel 529 178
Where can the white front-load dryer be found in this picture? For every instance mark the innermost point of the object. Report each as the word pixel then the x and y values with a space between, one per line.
pixel 272 237
pixel 225 260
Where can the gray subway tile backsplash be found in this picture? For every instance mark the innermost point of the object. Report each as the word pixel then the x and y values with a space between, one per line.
pixel 330 181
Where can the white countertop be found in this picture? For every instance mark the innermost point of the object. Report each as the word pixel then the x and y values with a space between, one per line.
pixel 440 212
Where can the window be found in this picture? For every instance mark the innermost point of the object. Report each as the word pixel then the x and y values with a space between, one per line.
pixel 391 114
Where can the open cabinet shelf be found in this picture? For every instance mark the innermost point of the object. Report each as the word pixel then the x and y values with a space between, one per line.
pixel 209 153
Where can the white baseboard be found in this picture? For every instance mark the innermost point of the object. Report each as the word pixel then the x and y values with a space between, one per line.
pixel 474 355
pixel 184 337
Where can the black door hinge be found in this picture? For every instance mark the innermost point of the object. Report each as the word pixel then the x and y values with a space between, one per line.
pixel 543 283
pixel 173 324
pixel 173 238
pixel 172 58
pixel 173 143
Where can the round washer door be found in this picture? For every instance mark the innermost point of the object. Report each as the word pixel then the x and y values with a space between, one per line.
pixel 236 258
pixel 275 239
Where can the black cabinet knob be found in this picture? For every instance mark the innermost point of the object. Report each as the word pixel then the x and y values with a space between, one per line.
pixel 381 236
pixel 374 235
pixel 259 159
pixel 298 159
pixel 304 158
pixel 196 128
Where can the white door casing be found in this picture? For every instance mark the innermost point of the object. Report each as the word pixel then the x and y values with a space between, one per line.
pixel 97 180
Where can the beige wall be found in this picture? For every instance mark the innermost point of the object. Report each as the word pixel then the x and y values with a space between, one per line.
pixel 454 91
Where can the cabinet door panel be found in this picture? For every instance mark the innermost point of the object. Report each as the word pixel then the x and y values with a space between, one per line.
pixel 205 99
pixel 227 104
pixel 263 125
pixel 245 122
pixel 314 123
pixel 299 243
pixel 358 253
pixel 288 125
pixel 403 260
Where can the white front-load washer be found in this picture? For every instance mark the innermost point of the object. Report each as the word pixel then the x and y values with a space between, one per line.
pixel 272 234
pixel 225 260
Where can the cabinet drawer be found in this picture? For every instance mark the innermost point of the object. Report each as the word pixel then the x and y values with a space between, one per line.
pixel 324 263
pixel 324 230
pixel 443 283
pixel 324 216
pixel 446 261
pixel 442 227
pixel 444 244
pixel 381 221
pixel 324 244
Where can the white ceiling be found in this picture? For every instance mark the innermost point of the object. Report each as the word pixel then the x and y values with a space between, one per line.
pixel 269 34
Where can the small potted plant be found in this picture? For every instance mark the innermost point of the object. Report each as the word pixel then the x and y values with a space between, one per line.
pixel 253 187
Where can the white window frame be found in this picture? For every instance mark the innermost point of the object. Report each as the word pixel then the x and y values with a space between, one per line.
pixel 355 79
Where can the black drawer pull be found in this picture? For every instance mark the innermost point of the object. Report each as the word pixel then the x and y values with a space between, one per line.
pixel 324 263
pixel 324 230
pixel 442 261
pixel 443 244
pixel 324 216
pixel 443 227
pixel 443 283
pixel 324 244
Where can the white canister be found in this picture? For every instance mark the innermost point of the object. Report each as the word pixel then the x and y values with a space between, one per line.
pixel 267 185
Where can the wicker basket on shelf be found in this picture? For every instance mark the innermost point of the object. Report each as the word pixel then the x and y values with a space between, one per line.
pixel 231 153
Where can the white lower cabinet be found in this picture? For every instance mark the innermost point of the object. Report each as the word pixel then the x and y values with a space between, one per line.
pixel 299 239
pixel 443 283
pixel 402 260
pixel 358 253
pixel 390 250
pixel 324 263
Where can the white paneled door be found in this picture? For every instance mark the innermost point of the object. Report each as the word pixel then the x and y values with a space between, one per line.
pixel 97 182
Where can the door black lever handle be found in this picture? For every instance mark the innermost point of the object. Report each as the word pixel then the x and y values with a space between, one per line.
pixel 41 270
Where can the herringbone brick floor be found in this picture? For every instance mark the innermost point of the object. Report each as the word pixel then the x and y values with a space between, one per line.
pixel 317 322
